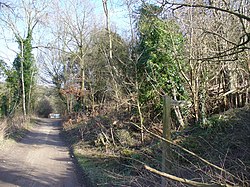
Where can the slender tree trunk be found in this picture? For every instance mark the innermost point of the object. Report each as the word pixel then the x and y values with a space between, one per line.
pixel 194 72
pixel 82 86
pixel 177 110
pixel 110 56
pixel 203 105
pixel 141 119
pixel 30 91
pixel 247 96
pixel 92 98
pixel 138 105
pixel 22 80
pixel 195 92
pixel 105 7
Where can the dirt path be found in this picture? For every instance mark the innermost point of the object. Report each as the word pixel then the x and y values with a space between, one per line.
pixel 40 159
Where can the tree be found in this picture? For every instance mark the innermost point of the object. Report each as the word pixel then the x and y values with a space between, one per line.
pixel 109 54
pixel 160 43
pixel 23 65
pixel 105 78
pixel 83 47
pixel 70 45
pixel 62 72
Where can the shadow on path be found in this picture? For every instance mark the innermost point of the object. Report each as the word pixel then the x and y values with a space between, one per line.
pixel 40 159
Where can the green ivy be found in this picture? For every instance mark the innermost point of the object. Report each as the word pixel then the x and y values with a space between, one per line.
pixel 160 43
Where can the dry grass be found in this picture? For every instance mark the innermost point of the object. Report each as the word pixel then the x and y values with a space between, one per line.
pixel 13 128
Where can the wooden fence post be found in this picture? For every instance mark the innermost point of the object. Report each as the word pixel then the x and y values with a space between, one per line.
pixel 166 152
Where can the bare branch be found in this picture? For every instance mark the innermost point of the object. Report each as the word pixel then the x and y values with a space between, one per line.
pixel 179 5
pixel 2 5
pixel 183 180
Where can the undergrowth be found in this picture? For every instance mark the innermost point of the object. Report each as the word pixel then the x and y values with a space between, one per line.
pixel 111 154
pixel 225 142
pixel 14 128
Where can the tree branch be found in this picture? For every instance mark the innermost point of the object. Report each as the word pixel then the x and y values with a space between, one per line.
pixel 183 180
pixel 4 5
pixel 241 16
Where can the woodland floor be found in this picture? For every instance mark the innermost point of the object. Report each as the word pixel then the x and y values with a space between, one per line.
pixel 39 159
pixel 224 141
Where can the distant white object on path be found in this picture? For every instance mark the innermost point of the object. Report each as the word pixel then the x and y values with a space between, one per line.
pixel 54 116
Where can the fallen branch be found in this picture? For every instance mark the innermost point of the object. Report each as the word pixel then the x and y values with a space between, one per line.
pixel 183 180
pixel 189 152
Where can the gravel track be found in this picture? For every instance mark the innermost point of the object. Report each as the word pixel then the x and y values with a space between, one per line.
pixel 40 159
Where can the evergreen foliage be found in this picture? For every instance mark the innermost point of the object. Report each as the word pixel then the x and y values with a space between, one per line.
pixel 14 80
pixel 160 44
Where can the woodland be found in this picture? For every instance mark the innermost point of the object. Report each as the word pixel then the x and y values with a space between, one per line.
pixel 109 86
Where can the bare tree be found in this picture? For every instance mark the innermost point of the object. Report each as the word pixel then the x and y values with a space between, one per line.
pixel 71 26
pixel 217 38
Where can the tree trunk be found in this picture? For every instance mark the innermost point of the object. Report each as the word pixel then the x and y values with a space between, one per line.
pixel 196 103
pixel 105 7
pixel 139 108
pixel 110 56
pixel 22 80
pixel 30 92
pixel 141 119
pixel 177 110
pixel 82 86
